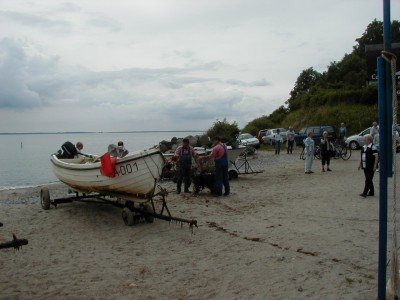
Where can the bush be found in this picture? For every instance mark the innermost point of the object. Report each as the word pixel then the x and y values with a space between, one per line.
pixel 228 132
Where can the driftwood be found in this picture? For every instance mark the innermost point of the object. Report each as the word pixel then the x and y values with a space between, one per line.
pixel 14 243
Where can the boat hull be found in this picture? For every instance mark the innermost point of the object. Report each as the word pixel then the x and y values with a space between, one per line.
pixel 135 175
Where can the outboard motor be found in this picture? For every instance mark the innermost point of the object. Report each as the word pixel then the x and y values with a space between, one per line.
pixel 68 151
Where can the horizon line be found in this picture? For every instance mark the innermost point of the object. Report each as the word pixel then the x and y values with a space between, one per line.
pixel 83 132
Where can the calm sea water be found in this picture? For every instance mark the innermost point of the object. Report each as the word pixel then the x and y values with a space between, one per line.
pixel 30 165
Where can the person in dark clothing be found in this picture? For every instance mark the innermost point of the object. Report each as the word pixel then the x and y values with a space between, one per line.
pixel 326 150
pixel 369 163
pixel 220 155
pixel 184 153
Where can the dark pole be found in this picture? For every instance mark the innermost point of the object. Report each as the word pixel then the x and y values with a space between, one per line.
pixel 382 103
pixel 385 148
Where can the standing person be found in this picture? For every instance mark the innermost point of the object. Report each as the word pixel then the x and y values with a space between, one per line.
pixel 342 133
pixel 290 140
pixel 374 129
pixel 369 163
pixel 184 153
pixel 326 149
pixel 277 140
pixel 309 148
pixel 220 155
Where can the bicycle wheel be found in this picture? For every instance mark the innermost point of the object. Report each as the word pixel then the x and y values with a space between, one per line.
pixel 302 155
pixel 346 153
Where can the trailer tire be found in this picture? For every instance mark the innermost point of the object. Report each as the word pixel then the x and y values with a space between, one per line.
pixel 148 208
pixel 45 198
pixel 128 216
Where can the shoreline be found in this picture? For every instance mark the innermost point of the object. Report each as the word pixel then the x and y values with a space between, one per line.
pixel 280 234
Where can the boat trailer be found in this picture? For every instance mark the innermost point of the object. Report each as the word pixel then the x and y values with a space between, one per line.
pixel 241 166
pixel 15 243
pixel 132 213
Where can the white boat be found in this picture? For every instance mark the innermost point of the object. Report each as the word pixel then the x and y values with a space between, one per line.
pixel 135 174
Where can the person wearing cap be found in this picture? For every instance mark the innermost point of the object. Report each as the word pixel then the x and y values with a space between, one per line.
pixel 184 153
pixel 220 155
pixel 290 140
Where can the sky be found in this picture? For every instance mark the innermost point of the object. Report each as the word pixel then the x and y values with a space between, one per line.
pixel 94 65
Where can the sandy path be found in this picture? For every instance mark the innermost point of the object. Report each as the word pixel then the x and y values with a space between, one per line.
pixel 281 234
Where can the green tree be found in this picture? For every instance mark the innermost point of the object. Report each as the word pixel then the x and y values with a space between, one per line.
pixel 304 82
pixel 373 34
pixel 228 132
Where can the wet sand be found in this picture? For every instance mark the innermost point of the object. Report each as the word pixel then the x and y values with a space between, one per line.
pixel 281 234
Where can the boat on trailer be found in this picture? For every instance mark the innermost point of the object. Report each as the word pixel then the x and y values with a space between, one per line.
pixel 134 175
pixel 132 186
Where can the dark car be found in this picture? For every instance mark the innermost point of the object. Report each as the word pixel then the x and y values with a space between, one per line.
pixel 317 133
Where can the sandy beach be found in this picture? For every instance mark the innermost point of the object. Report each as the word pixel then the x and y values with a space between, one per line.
pixel 281 234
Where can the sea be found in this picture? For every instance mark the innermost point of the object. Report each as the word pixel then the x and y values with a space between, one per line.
pixel 25 158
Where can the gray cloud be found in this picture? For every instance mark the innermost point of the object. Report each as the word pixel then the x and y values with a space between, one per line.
pixel 29 81
pixel 34 20
pixel 261 82
pixel 105 23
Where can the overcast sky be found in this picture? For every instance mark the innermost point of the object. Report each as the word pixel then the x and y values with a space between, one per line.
pixel 93 65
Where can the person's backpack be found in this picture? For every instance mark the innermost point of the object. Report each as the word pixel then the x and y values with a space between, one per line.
pixel 69 150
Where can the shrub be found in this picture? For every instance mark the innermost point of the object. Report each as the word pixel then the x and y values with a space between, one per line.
pixel 228 132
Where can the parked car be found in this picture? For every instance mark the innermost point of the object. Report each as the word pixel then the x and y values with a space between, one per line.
pixel 317 133
pixel 357 140
pixel 246 139
pixel 261 134
pixel 268 139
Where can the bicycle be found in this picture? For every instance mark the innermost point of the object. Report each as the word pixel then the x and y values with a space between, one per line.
pixel 317 153
pixel 341 151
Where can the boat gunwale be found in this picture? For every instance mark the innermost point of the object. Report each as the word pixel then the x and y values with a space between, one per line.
pixel 64 165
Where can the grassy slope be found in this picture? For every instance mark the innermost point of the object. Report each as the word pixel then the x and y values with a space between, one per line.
pixel 356 116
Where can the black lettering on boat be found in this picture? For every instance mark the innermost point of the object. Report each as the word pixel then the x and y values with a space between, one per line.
pixel 123 170
pixel 134 165
pixel 128 168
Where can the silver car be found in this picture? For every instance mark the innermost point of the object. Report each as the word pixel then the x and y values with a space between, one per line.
pixel 268 139
pixel 246 139
pixel 356 141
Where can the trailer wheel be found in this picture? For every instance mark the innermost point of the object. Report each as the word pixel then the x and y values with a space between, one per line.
pixel 45 198
pixel 128 216
pixel 148 208
pixel 233 174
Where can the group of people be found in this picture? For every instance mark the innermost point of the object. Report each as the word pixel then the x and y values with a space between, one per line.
pixel 70 150
pixel 278 140
pixel 185 154
pixel 369 155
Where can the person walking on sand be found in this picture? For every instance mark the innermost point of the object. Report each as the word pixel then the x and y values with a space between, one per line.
pixel 278 141
pixel 290 140
pixel 369 163
pixel 309 148
pixel 184 153
pixel 326 149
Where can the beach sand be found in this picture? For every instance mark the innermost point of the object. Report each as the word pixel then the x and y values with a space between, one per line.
pixel 281 234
